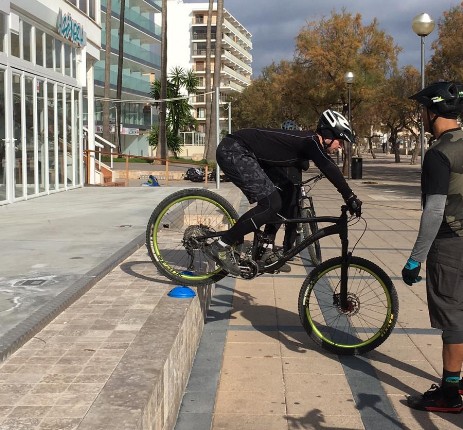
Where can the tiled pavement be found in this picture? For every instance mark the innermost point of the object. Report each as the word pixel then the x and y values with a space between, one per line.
pixel 268 374
pixel 274 377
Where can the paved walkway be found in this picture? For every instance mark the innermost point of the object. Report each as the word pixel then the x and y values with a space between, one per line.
pixel 274 377
pixel 255 368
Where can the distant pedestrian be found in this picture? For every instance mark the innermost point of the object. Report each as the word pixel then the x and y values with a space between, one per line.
pixel 440 239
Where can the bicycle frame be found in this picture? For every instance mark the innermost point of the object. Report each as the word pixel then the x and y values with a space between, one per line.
pixel 339 226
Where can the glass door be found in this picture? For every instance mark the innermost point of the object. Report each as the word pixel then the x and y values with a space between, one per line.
pixel 29 135
pixel 3 167
pixel 42 160
pixel 18 158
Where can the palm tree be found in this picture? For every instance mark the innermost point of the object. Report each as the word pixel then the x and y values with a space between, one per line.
pixel 178 109
pixel 161 151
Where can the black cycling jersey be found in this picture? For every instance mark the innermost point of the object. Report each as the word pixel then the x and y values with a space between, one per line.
pixel 290 148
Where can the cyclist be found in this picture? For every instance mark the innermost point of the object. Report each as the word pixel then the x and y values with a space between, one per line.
pixel 240 155
pixel 440 239
pixel 285 179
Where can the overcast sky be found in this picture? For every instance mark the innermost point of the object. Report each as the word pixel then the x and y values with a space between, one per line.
pixel 274 24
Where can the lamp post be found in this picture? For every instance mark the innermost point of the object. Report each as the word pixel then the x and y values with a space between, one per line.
pixel 349 79
pixel 422 25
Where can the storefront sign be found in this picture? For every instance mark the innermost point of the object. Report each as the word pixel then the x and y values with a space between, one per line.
pixel 130 131
pixel 71 29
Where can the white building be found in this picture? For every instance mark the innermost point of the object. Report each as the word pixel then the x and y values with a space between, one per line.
pixel 141 64
pixel 186 48
pixel 47 51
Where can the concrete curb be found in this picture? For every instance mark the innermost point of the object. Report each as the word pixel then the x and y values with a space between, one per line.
pixel 29 327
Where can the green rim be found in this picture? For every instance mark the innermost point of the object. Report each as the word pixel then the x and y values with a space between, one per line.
pixel 156 251
pixel 380 332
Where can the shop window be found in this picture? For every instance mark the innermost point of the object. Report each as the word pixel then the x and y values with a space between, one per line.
pixel 73 62
pixel 67 60
pixel 91 9
pixel 49 51
pixel 26 41
pixel 14 35
pixel 83 6
pixel 3 30
pixel 39 47
pixel 58 49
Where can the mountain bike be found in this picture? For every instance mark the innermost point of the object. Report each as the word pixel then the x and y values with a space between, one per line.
pixel 347 304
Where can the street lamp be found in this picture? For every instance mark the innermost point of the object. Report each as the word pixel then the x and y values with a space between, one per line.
pixel 349 80
pixel 422 25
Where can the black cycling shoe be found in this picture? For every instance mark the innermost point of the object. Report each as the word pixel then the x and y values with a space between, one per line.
pixel 436 400
pixel 269 257
pixel 224 257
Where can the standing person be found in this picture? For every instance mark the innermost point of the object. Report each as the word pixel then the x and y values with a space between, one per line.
pixel 440 239
pixel 240 155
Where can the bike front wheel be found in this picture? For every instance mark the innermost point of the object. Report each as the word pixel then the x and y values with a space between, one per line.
pixel 174 231
pixel 371 313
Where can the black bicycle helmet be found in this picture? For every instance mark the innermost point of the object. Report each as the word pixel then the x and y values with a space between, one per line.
pixel 289 124
pixel 332 125
pixel 444 99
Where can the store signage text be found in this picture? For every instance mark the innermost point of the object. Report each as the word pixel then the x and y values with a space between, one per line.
pixel 71 29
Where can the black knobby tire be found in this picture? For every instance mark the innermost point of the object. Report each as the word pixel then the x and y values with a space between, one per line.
pixel 181 216
pixel 373 306
pixel 306 230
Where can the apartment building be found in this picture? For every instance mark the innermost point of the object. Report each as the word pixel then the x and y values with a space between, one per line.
pixel 186 47
pixel 141 63
pixel 47 52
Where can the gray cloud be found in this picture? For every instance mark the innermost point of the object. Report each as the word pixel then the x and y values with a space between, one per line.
pixel 275 24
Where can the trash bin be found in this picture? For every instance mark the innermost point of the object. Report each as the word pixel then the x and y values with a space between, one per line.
pixel 356 168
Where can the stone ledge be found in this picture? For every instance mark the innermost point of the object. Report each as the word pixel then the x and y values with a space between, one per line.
pixel 146 388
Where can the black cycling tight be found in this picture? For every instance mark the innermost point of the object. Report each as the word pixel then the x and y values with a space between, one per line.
pixel 265 210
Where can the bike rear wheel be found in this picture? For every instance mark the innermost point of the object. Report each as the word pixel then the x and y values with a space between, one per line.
pixel 372 311
pixel 172 231
pixel 306 230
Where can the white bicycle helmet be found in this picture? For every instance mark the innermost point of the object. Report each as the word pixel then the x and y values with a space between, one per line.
pixel 332 125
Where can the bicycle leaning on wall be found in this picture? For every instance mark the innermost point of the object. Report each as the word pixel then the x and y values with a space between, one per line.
pixel 347 304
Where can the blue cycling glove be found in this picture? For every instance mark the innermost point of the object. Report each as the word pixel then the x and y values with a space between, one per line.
pixel 411 271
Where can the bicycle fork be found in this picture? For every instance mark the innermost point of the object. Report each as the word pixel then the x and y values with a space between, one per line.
pixel 346 256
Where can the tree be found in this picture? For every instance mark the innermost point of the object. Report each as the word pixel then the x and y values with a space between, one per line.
pixel 447 59
pixel 314 80
pixel 398 112
pixel 211 142
pixel 161 149
pixel 179 115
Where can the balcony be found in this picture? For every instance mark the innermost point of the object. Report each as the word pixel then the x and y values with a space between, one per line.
pixel 242 53
pixel 135 18
pixel 245 37
pixel 134 83
pixel 134 52
pixel 228 56
pixel 242 79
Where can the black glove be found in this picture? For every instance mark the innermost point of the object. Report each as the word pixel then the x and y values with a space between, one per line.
pixel 411 271
pixel 354 205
